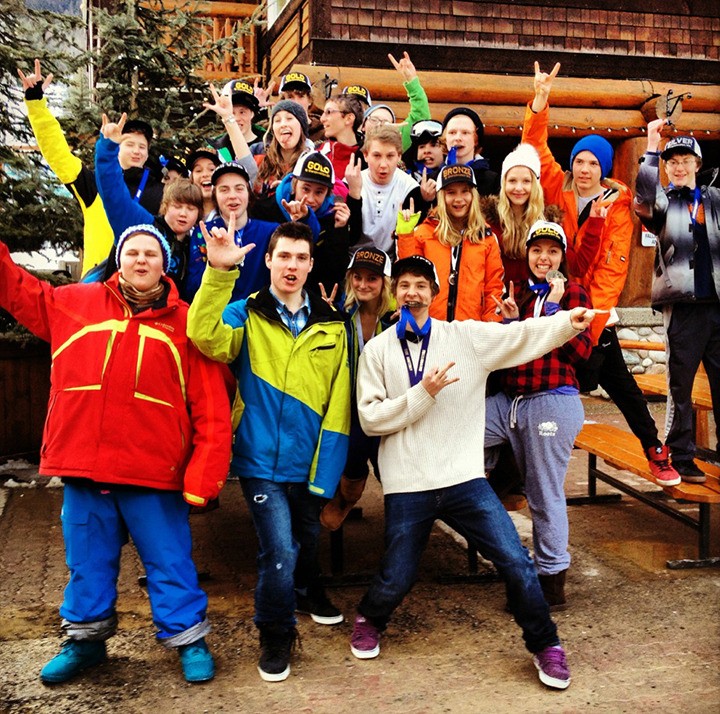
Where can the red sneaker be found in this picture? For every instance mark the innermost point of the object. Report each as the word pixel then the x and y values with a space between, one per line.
pixel 664 474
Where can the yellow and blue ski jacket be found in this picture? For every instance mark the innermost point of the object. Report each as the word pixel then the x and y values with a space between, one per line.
pixel 292 411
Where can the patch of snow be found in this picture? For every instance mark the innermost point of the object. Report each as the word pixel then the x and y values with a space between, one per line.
pixel 11 483
pixel 16 464
pixel 54 482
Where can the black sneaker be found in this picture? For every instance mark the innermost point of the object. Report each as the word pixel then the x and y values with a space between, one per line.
pixel 689 471
pixel 318 606
pixel 276 644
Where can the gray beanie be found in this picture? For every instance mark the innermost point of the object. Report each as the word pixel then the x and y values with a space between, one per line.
pixel 287 105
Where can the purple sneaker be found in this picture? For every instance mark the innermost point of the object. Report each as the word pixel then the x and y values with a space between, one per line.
pixel 552 667
pixel 365 641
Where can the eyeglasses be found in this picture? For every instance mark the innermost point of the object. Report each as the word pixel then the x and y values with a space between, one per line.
pixel 686 163
pixel 328 112
pixel 428 126
pixel 376 121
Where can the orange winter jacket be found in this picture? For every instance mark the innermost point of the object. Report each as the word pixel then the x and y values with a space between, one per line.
pixel 606 275
pixel 480 274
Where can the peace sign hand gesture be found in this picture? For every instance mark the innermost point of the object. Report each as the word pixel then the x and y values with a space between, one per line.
pixel 508 307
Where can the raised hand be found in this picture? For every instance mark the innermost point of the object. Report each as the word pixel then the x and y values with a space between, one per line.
pixel 296 209
pixel 508 307
pixel 342 213
pixel 263 95
pixel 405 67
pixel 111 130
pixel 428 187
pixel 331 299
pixel 557 290
pixel 222 251
pixel 654 133
pixel 30 80
pixel 599 208
pixel 221 105
pixel 434 380
pixel 353 177
pixel 543 84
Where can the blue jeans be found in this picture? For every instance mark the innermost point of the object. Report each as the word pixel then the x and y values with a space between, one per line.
pixel 473 509
pixel 287 522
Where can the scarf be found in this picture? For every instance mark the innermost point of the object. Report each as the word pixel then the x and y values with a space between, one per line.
pixel 139 299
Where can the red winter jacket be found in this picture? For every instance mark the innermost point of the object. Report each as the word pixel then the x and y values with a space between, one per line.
pixel 132 401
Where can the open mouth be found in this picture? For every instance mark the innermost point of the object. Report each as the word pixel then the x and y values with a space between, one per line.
pixel 414 303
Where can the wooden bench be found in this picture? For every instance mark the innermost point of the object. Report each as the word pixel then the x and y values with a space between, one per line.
pixel 656 385
pixel 701 400
pixel 621 450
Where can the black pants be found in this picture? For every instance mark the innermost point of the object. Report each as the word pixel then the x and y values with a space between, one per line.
pixel 607 368
pixel 693 336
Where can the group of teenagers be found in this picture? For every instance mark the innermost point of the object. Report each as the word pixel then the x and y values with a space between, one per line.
pixel 337 291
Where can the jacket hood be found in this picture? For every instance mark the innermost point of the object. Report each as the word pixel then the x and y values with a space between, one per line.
pixel 284 193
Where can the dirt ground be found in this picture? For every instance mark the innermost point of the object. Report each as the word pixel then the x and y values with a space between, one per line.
pixel 639 637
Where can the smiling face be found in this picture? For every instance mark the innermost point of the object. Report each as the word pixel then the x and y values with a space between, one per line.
pixel 313 193
pixel 544 255
pixel 382 161
pixel 587 173
pixel 518 184
pixel 181 217
pixel 458 198
pixel 366 284
pixel 289 266
pixel 286 130
pixel 133 151
pixel 141 261
pixel 460 133
pixel 682 170
pixel 232 194
pixel 200 175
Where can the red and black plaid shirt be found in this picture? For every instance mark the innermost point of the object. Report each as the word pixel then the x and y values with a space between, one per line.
pixel 556 368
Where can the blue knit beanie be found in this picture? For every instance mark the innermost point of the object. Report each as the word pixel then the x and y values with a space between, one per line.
pixel 599 147
pixel 149 230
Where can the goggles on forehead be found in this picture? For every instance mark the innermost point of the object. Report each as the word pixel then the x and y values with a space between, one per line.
pixel 429 126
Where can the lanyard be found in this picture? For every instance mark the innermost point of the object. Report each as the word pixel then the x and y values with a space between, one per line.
pixel 696 206
pixel 406 319
pixel 415 376
pixel 141 185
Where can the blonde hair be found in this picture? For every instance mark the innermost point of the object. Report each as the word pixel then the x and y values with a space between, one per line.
pixel 385 134
pixel 475 223
pixel 515 232
pixel 387 300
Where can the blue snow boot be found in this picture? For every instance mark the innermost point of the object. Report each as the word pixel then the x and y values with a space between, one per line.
pixel 197 662
pixel 74 657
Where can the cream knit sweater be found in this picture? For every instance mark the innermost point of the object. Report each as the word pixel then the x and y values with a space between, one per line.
pixel 427 442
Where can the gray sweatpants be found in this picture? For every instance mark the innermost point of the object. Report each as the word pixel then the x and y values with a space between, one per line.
pixel 541 429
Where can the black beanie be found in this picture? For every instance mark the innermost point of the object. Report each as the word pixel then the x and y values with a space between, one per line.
pixel 466 111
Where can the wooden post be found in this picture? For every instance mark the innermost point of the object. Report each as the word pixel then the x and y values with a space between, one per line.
pixel 640 271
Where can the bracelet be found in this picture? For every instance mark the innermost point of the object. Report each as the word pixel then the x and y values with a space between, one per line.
pixel 230 120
